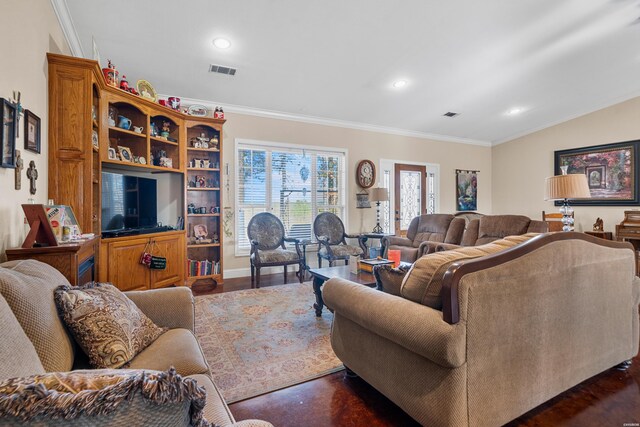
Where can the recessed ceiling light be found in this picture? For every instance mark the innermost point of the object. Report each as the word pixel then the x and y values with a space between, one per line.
pixel 399 84
pixel 221 43
pixel 514 111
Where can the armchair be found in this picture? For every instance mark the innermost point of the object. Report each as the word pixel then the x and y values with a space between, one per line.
pixel 266 234
pixel 332 246
pixel 438 228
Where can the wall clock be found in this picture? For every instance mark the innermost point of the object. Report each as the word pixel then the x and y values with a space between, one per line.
pixel 366 173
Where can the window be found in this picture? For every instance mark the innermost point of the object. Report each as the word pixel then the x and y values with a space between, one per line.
pixel 295 183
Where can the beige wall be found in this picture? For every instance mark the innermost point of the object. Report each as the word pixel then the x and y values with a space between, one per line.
pixel 520 166
pixel 360 145
pixel 24 68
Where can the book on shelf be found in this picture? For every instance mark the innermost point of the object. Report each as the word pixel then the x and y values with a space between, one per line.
pixel 368 264
pixel 202 267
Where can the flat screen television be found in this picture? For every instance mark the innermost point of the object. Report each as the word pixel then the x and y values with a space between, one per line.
pixel 129 204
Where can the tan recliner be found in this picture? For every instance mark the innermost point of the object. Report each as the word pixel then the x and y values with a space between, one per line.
pixel 435 228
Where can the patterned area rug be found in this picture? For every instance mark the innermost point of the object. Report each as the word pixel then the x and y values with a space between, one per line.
pixel 261 340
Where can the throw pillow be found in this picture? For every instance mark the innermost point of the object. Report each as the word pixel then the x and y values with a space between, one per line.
pixel 103 397
pixel 108 326
pixel 423 283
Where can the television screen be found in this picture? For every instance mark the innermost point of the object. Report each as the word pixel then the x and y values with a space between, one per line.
pixel 128 202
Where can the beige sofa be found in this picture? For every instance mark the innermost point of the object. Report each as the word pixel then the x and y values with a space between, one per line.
pixel 515 328
pixel 28 319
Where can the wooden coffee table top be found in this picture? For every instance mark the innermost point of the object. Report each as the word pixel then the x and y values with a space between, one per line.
pixel 342 271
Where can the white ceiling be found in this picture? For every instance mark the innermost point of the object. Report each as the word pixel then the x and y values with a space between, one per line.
pixel 337 59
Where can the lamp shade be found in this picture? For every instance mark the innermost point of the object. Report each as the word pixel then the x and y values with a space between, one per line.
pixel 379 194
pixel 572 186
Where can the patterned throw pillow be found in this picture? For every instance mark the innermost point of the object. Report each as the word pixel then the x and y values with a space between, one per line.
pixel 103 397
pixel 108 326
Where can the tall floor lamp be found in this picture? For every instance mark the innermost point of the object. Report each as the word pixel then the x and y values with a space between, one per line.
pixel 564 187
pixel 378 194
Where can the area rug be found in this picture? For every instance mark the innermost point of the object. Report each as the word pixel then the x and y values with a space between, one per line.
pixel 261 340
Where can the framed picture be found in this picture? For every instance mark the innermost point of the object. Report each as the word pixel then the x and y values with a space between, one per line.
pixel 112 153
pixel 611 171
pixel 200 231
pixel 125 154
pixel 31 132
pixel 8 134
pixel 466 190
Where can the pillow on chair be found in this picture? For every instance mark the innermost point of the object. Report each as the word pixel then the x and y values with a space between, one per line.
pixel 108 326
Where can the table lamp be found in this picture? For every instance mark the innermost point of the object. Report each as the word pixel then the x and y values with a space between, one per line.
pixel 378 194
pixel 564 187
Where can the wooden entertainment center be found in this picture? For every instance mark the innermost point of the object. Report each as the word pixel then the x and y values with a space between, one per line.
pixel 81 107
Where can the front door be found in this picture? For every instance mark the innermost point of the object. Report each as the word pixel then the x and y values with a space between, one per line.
pixel 410 195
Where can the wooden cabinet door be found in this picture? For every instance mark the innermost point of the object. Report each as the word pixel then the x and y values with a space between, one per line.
pixel 124 268
pixel 172 248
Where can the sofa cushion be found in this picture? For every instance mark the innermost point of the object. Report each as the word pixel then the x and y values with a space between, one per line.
pixel 493 227
pixel 423 282
pixel 342 251
pixel 27 286
pixel 126 398
pixel 178 348
pixel 108 326
pixel 13 341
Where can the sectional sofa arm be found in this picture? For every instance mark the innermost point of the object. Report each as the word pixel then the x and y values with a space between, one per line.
pixel 416 327
pixel 170 307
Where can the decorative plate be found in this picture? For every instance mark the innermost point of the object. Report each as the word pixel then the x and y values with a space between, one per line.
pixel 146 90
pixel 197 110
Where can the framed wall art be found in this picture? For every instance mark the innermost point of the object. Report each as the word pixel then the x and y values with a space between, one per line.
pixel 466 190
pixel 31 132
pixel 611 171
pixel 8 134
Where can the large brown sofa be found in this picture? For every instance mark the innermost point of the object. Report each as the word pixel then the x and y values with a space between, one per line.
pixel 487 338
pixel 439 228
pixel 34 340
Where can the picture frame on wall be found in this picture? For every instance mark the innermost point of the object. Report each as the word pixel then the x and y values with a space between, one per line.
pixel 8 134
pixel 31 132
pixel 466 190
pixel 611 170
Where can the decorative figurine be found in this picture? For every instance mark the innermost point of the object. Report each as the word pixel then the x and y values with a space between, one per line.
pixel 32 174
pixel 218 113
pixel 124 84
pixel 165 129
pixel 599 225
pixel 110 74
pixel 174 102
pixel 153 129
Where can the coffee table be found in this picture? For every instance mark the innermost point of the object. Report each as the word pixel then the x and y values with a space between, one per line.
pixel 321 275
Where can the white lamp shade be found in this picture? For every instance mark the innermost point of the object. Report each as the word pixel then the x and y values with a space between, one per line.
pixel 379 194
pixel 572 186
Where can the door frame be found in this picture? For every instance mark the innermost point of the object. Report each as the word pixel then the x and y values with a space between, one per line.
pixel 390 165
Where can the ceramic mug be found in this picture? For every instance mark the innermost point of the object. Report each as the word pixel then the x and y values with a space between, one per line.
pixel 124 123
pixel 138 129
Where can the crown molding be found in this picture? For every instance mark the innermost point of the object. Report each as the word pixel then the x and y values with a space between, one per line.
pixel 68 29
pixel 279 115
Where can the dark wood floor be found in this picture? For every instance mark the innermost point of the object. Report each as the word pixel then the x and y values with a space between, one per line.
pixel 611 398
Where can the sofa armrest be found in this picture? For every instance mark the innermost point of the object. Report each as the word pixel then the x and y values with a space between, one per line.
pixel 397 241
pixel 446 247
pixel 416 327
pixel 170 307
pixel 389 279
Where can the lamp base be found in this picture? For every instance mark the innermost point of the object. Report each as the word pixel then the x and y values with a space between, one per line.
pixel 377 229
pixel 567 216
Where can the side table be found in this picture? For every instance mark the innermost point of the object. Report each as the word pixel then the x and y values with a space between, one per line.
pixel 607 235
pixel 76 261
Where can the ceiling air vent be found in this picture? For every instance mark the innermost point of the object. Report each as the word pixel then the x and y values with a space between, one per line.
pixel 450 114
pixel 221 69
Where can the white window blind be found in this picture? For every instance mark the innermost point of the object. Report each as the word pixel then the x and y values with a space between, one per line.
pixel 293 183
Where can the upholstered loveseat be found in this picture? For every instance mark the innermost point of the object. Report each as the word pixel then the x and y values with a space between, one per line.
pixel 481 340
pixel 35 341
pixel 437 228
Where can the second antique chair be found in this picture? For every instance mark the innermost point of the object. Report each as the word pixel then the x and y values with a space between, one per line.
pixel 266 235
pixel 329 231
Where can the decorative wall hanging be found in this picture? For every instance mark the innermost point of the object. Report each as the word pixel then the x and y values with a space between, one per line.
pixel 466 190
pixel 19 167
pixel 8 134
pixel 32 174
pixel 362 200
pixel 611 171
pixel 366 173
pixel 31 132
